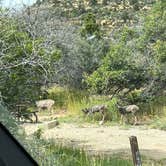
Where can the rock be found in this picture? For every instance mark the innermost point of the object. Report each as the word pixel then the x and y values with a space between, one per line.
pixel 50 124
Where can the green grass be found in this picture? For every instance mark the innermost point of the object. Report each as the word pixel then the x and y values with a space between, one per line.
pixel 150 162
pixel 74 157
pixel 71 119
pixel 48 153
pixel 66 98
pixel 155 107
pixel 75 100
pixel 158 123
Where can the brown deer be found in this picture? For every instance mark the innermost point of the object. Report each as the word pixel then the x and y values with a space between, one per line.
pixel 129 109
pixel 98 108
pixel 45 104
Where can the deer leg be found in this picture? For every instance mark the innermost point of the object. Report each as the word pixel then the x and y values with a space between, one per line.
pixel 103 117
pixel 127 119
pixel 88 113
pixel 102 121
pixel 36 118
pixel 135 119
pixel 50 109
pixel 121 119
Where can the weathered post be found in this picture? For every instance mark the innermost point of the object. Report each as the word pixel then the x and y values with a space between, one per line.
pixel 135 151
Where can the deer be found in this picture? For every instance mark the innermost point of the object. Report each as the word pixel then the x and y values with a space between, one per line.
pixel 129 109
pixel 98 108
pixel 45 104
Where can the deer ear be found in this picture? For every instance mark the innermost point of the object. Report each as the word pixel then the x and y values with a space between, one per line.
pixel 83 110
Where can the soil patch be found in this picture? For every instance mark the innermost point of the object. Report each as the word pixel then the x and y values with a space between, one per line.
pixel 106 139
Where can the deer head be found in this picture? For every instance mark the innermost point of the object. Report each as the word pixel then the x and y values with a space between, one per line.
pixel 85 110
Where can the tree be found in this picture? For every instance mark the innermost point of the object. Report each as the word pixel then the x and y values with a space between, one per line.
pixel 92 2
pixel 136 59
pixel 154 46
pixel 85 56
pixel 90 27
pixel 81 7
pixel 116 72
pixel 135 4
pixel 104 2
pixel 25 62
pixel 7 119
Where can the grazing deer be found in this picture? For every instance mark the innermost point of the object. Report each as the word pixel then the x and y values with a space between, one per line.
pixel 45 104
pixel 98 108
pixel 129 109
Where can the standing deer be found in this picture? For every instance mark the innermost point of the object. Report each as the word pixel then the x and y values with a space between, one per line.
pixel 98 108
pixel 129 109
pixel 45 104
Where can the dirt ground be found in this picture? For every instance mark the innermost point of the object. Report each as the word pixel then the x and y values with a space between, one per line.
pixel 106 139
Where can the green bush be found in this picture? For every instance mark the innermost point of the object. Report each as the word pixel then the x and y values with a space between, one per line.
pixel 158 123
pixel 154 107
pixel 90 26
pixel 69 99
pixel 7 119
pixel 59 95
pixel 134 96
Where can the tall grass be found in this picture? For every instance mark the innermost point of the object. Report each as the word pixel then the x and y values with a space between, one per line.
pixel 156 107
pixel 59 95
pixel 66 98
pixel 75 100
pixel 7 119
pixel 47 153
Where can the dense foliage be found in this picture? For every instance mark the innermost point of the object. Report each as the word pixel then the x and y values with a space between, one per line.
pixel 90 27
pixel 7 119
pixel 25 63
pixel 103 47
pixel 136 58
pixel 130 55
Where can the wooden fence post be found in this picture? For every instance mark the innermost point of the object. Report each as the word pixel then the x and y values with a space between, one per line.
pixel 135 151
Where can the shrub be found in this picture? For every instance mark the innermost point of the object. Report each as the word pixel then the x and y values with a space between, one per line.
pixel 59 95
pixel 134 96
pixel 7 119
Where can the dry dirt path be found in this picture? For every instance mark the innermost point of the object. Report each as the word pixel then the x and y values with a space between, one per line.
pixel 107 139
